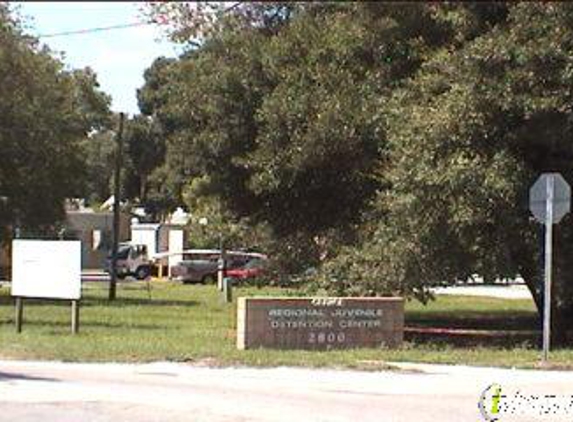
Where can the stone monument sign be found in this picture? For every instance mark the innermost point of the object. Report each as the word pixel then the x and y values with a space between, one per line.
pixel 320 323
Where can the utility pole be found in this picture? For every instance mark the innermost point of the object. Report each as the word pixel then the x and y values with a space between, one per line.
pixel 116 205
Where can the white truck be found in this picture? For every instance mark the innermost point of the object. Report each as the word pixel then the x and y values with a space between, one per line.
pixel 132 260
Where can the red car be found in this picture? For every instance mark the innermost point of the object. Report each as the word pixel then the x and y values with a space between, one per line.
pixel 252 269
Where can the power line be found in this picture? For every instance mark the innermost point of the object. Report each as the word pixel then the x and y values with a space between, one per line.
pixel 121 26
pixel 97 29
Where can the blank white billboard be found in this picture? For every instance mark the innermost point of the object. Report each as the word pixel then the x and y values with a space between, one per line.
pixel 49 269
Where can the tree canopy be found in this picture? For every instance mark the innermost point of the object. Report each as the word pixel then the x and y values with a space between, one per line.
pixel 45 112
pixel 470 134
pixel 393 143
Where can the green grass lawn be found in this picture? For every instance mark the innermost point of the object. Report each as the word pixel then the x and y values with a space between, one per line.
pixel 191 323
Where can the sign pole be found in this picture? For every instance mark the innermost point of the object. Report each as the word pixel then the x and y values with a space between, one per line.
pixel 221 264
pixel 549 202
pixel 75 316
pixel 548 256
pixel 227 290
pixel 19 313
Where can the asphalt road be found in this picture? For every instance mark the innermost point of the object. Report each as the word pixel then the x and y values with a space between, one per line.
pixel 64 392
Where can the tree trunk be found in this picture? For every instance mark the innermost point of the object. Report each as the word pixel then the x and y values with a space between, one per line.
pixel 142 187
pixel 561 291
pixel 561 323
pixel 561 314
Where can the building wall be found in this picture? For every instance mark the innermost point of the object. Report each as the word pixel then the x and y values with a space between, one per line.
pixel 81 225
pixel 95 230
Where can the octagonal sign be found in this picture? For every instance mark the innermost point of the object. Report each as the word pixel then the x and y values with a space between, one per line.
pixel 550 187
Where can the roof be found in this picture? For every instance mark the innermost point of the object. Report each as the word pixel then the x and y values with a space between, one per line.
pixel 210 252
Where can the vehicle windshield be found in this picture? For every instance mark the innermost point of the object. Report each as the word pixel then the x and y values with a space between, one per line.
pixel 122 252
pixel 254 263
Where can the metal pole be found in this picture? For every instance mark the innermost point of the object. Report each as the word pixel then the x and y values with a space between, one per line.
pixel 221 264
pixel 548 256
pixel 116 196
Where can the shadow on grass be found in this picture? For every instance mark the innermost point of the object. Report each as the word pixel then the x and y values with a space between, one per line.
pixel 503 329
pixel 96 301
pixel 132 301
pixel 86 324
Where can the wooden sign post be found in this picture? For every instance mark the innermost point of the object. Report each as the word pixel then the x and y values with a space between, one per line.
pixel 19 313
pixel 75 315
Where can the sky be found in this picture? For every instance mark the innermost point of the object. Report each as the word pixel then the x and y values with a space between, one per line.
pixel 119 57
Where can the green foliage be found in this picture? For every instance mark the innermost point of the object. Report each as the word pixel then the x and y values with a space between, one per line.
pixel 190 23
pixel 99 151
pixel 150 97
pixel 468 135
pixel 145 151
pixel 46 112
pixel 400 138
pixel 212 224
pixel 285 119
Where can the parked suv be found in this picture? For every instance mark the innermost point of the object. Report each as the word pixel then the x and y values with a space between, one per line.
pixel 202 265
pixel 254 268
pixel 195 270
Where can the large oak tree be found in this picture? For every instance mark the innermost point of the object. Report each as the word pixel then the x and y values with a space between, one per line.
pixel 418 128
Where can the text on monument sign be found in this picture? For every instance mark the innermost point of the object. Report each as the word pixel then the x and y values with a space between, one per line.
pixel 320 323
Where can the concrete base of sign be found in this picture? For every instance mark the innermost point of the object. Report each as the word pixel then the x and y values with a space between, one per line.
pixel 320 323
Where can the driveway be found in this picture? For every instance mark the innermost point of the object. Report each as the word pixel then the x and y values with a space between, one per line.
pixel 66 392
